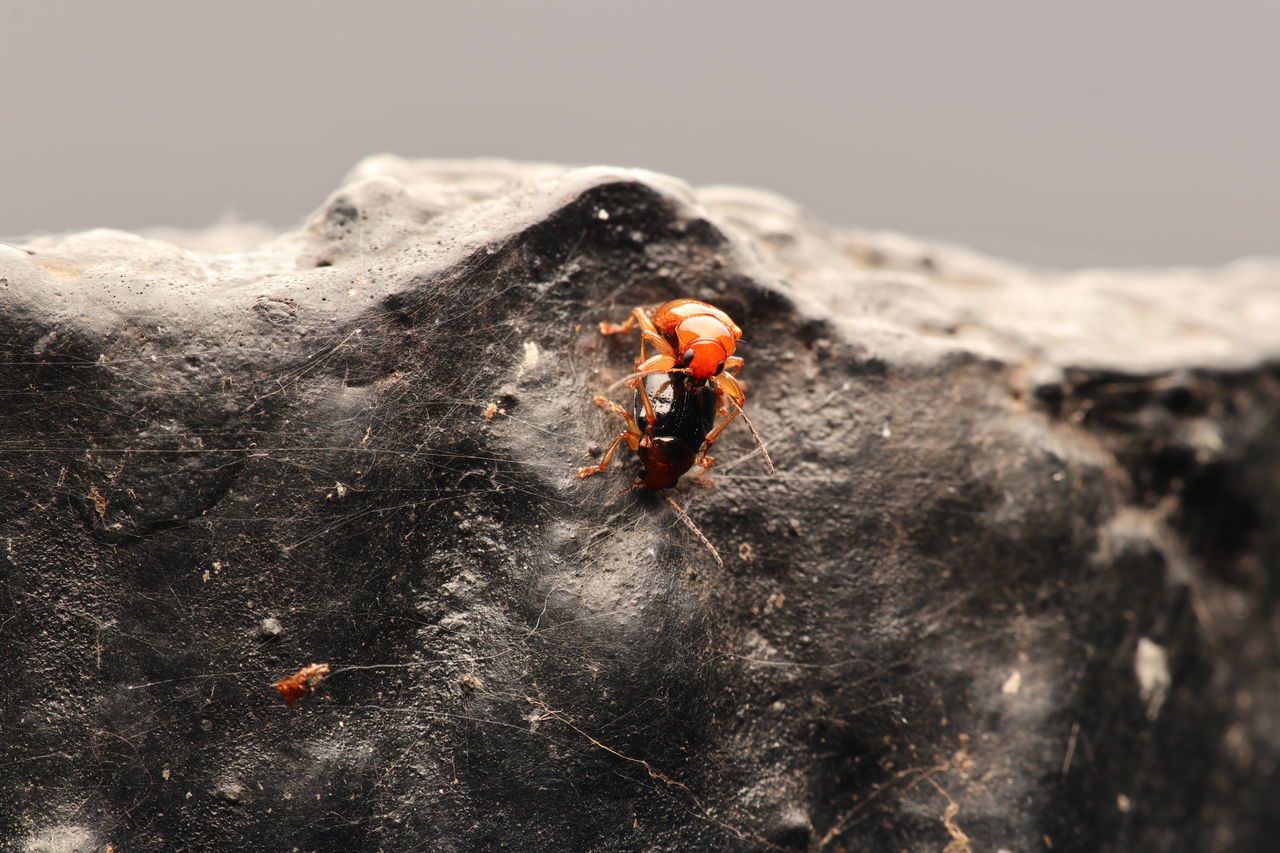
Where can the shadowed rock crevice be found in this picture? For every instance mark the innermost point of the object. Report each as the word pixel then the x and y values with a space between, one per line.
pixel 1013 580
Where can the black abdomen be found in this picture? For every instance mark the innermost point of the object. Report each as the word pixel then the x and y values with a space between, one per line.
pixel 685 414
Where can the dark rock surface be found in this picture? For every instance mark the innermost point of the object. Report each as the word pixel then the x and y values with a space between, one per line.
pixel 1013 586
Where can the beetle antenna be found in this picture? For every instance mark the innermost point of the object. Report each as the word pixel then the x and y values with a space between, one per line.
pixel 624 380
pixel 759 441
pixel 688 522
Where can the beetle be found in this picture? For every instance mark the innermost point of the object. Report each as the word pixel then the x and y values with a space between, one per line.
pixel 679 418
pixel 680 391
pixel 688 335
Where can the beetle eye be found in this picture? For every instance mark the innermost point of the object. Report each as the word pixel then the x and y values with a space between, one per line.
pixel 688 358
pixel 719 368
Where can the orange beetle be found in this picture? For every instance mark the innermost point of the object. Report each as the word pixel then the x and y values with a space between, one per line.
pixel 680 391
pixel 688 335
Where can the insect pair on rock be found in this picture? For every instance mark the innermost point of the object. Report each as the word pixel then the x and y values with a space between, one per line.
pixel 681 391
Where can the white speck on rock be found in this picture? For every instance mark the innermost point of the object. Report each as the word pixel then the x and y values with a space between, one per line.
pixel 1151 665
pixel 530 360
pixel 1012 684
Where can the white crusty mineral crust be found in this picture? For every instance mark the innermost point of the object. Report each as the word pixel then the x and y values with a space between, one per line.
pixel 899 298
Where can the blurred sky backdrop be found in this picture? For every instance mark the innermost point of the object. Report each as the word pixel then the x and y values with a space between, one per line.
pixel 1082 133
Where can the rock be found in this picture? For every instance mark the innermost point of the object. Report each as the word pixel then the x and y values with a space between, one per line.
pixel 1014 583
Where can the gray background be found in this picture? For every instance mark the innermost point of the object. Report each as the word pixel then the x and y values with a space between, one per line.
pixel 1067 134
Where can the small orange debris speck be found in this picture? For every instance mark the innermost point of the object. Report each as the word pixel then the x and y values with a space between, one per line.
pixel 99 501
pixel 302 683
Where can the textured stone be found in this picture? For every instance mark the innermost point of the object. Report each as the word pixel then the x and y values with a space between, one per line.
pixel 1014 583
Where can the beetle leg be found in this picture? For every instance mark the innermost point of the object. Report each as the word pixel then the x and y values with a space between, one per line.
pixel 730 387
pixel 733 362
pixel 663 363
pixel 704 461
pixel 633 433
pixel 715 433
pixel 631 436
pixel 649 332
pixel 664 359
pixel 645 321
pixel 588 470
pixel 637 315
